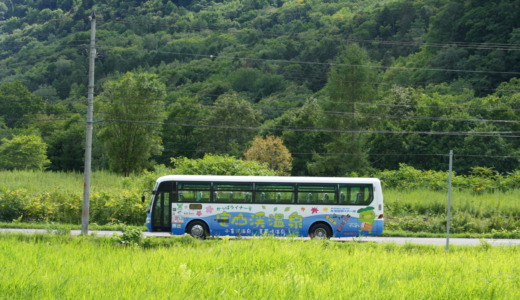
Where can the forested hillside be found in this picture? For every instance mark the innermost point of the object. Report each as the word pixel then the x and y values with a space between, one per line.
pixel 349 87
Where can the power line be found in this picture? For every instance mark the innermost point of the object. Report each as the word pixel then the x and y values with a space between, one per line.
pixel 370 154
pixel 502 134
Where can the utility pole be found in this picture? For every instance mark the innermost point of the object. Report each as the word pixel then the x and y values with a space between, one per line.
pixel 90 120
pixel 448 215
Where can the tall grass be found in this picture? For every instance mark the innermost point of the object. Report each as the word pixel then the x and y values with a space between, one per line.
pixel 425 210
pixel 427 202
pixel 69 182
pixel 82 267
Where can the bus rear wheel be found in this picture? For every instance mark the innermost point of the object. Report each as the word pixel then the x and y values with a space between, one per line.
pixel 320 231
pixel 198 229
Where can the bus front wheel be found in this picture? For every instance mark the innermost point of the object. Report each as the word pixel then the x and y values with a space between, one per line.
pixel 198 229
pixel 320 231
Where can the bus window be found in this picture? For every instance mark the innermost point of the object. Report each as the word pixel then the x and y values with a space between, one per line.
pixel 356 194
pixel 274 193
pixel 194 192
pixel 232 192
pixel 317 194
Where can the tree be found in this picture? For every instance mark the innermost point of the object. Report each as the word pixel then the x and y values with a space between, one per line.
pixel 229 126
pixel 219 165
pixel 134 110
pixel 303 143
pixel 349 90
pixel 16 102
pixel 272 151
pixel 66 147
pixel 179 133
pixel 23 152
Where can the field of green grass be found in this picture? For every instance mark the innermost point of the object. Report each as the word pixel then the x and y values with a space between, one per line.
pixel 66 267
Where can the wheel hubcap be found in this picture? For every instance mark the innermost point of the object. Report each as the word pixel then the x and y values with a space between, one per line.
pixel 320 233
pixel 197 231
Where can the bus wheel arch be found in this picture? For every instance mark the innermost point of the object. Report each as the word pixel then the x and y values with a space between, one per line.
pixel 320 230
pixel 198 229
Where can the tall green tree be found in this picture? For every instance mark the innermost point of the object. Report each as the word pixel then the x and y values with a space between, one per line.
pixel 349 90
pixel 301 143
pixel 229 126
pixel 133 108
pixel 179 132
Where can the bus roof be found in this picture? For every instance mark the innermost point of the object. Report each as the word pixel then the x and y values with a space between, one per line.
pixel 268 179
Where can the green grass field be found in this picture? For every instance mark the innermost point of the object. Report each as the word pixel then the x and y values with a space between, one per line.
pixel 65 267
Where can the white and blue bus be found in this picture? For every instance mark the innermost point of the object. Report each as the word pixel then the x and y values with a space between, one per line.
pixel 256 205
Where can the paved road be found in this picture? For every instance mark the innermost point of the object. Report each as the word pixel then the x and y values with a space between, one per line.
pixel 396 240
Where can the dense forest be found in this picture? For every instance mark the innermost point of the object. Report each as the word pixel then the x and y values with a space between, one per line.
pixel 346 87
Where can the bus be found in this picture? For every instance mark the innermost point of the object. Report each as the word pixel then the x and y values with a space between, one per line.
pixel 318 207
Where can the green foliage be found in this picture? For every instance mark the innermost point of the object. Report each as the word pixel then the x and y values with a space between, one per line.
pixel 23 152
pixel 421 66
pixel 255 82
pixel 229 126
pixel 130 138
pixel 61 207
pixel 346 87
pixel 131 237
pixel 17 102
pixel 481 180
pixel 182 140
pixel 219 165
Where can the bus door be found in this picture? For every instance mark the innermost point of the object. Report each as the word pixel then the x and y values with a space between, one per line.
pixel 162 207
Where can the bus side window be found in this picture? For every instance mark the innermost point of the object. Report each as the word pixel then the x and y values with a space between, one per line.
pixel 342 198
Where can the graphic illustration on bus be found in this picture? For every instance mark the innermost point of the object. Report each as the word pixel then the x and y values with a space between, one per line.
pixel 318 207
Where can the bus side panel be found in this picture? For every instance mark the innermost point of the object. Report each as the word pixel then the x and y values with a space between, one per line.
pixel 277 220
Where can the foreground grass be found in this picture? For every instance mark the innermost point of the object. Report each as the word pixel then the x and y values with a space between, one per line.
pixel 39 266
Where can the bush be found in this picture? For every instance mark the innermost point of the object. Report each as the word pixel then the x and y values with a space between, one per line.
pixel 62 207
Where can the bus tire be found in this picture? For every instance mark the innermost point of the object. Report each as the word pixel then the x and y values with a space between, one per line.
pixel 320 231
pixel 198 230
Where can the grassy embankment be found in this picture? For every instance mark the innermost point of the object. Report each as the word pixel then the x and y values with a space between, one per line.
pixel 49 266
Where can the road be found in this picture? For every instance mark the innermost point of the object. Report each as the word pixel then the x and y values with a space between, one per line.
pixel 396 240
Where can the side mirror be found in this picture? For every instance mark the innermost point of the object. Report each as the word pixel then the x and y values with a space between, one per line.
pixel 143 198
